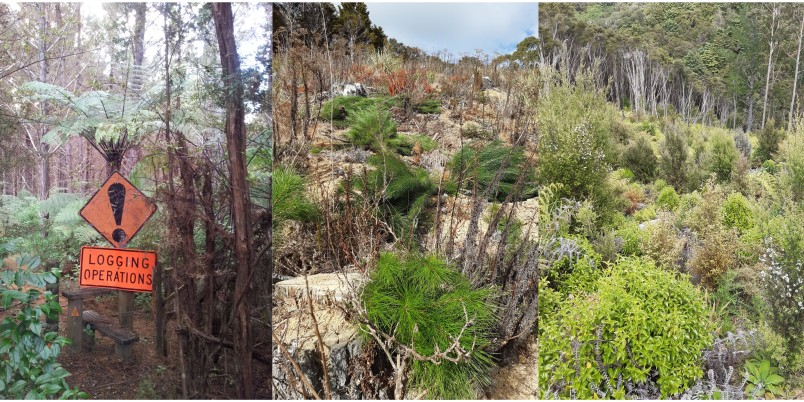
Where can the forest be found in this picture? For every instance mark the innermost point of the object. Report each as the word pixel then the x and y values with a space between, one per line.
pixel 174 99
pixel 609 211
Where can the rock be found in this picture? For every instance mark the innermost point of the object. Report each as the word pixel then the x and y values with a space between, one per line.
pixel 352 89
pixel 487 82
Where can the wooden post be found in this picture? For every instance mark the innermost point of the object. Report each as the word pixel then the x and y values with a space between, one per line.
pixel 125 304
pixel 75 323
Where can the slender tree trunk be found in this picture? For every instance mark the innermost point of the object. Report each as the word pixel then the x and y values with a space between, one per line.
pixel 774 13
pixel 241 208
pixel 795 76
pixel 44 152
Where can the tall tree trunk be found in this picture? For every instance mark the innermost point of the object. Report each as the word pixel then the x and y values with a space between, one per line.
pixel 795 76
pixel 241 219
pixel 774 15
pixel 44 152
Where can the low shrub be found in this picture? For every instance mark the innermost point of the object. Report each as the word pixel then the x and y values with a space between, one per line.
pixel 723 156
pixel 736 212
pixel 643 327
pixel 713 256
pixel 428 106
pixel 404 144
pixel 340 108
pixel 641 160
pixel 424 303
pixel 668 199
pixel 768 141
pixel 661 243
pixel 673 161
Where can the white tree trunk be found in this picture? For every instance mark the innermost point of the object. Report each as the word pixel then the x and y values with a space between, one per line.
pixel 795 76
pixel 774 14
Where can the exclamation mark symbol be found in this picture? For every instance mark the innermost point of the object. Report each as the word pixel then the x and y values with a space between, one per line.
pixel 117 198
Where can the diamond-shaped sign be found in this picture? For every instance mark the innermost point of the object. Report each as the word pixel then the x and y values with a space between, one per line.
pixel 118 210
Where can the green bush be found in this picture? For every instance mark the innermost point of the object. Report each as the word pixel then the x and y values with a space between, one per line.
pixel 768 139
pixel 631 237
pixel 673 162
pixel 479 165
pixel 659 184
pixel 737 213
pixel 403 144
pixel 667 199
pixel 770 166
pixel 641 160
pixel 723 156
pixel 793 167
pixel 30 369
pixel 473 130
pixel 642 324
pixel 371 128
pixel 421 302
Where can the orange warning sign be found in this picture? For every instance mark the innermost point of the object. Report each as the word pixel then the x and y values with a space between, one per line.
pixel 122 269
pixel 118 210
pixel 75 312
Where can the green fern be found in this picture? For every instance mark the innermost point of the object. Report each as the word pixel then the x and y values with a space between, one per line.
pixel 480 166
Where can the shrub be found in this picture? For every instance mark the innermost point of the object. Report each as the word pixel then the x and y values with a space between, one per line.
pixel 713 256
pixel 473 130
pixel 631 237
pixel 641 160
pixel 783 281
pixel 743 144
pixel 793 167
pixel 30 369
pixel 404 144
pixel 770 166
pixel 723 156
pixel 660 242
pixel 480 166
pixel 768 140
pixel 673 151
pixel 421 301
pixel 668 199
pixel 371 128
pixel 737 213
pixel 642 324
pixel 659 184
pixel 645 214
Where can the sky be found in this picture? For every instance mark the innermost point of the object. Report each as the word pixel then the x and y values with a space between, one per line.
pixel 460 28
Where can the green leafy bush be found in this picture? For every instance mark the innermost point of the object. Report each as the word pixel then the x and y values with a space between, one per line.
pixel 668 199
pixel 768 139
pixel 737 213
pixel 641 160
pixel 763 380
pixel 643 324
pixel 371 128
pixel 479 165
pixel 793 157
pixel 421 301
pixel 770 166
pixel 30 369
pixel 714 255
pixel 723 156
pixel 659 184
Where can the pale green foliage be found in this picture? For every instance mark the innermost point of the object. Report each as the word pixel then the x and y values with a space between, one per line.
pixel 641 322
pixel 99 116
pixel 668 199
pixel 723 156
pixel 673 162
pixel 737 213
pixel 792 154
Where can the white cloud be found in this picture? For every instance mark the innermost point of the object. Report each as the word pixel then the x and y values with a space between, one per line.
pixel 460 28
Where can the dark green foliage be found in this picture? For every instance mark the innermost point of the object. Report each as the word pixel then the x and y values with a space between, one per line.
pixel 481 166
pixel 723 157
pixel 371 128
pixel 340 108
pixel 288 197
pixel 673 160
pixel 428 106
pixel 640 159
pixel 404 144
pixel 30 369
pixel 642 323
pixel 420 300
pixel 403 192
pixel 769 139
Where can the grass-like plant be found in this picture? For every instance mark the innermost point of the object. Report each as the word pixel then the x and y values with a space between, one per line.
pixel 371 128
pixel 288 197
pixel 403 192
pixel 340 108
pixel 427 306
pixel 480 166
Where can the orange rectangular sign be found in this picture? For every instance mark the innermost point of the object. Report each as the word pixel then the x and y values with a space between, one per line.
pixel 123 269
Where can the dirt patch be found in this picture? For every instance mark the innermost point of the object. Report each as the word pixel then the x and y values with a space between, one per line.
pixel 518 380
